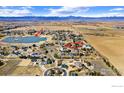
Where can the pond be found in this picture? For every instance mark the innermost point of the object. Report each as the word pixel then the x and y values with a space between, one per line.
pixel 26 39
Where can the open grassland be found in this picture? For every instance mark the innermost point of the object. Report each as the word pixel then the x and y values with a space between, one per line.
pixel 112 48
pixel 26 71
pixel 109 43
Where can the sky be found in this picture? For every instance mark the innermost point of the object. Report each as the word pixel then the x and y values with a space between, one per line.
pixel 62 11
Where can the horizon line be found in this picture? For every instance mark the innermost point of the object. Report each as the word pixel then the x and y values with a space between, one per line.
pixel 66 16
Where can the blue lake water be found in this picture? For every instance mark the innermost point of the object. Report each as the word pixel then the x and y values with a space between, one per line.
pixel 27 39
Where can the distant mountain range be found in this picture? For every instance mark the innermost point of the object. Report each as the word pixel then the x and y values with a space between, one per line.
pixel 68 18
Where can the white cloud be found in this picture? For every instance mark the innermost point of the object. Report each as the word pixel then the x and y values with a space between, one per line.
pixel 26 7
pixel 63 11
pixel 83 12
pixel 15 12
pixel 68 11
pixel 117 9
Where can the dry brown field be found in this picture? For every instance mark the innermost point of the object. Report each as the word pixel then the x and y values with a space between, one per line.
pixel 111 45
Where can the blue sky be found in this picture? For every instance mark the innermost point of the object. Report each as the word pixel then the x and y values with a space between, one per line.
pixel 90 11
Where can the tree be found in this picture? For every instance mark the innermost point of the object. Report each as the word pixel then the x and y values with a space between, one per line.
pixel 57 56
pixel 49 61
